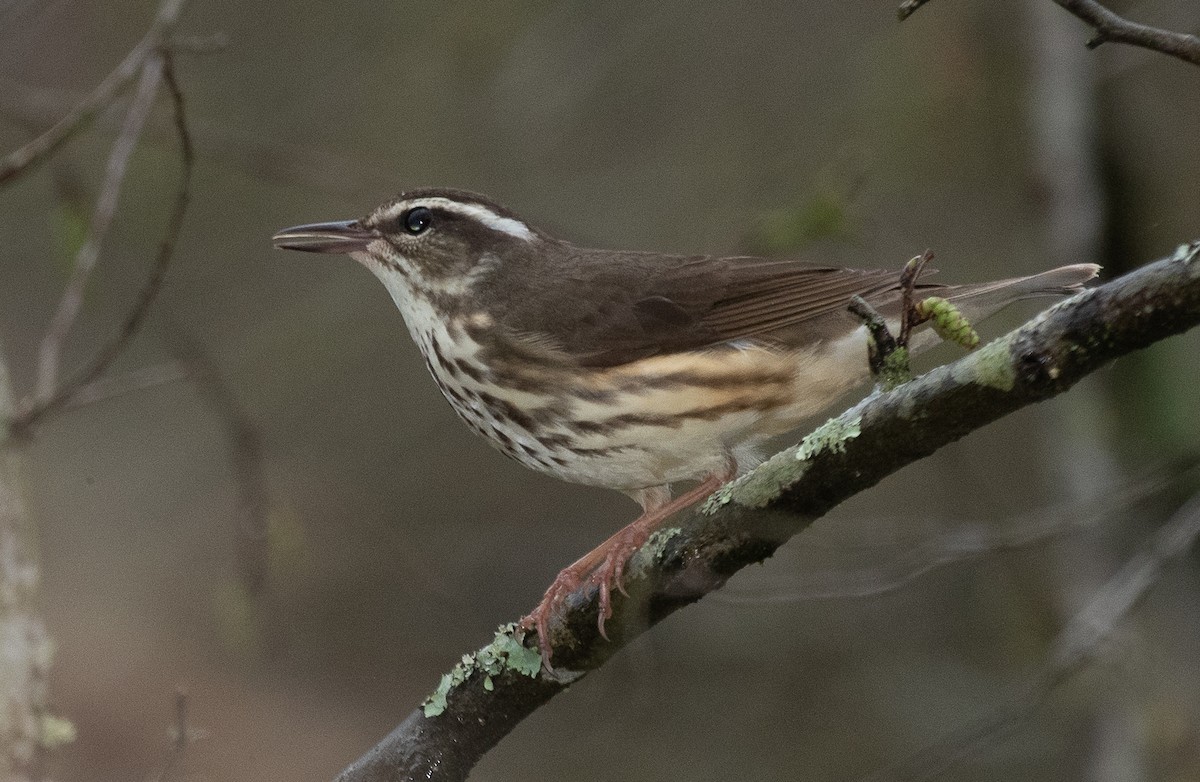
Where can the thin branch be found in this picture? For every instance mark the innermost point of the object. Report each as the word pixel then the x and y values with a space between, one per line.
pixel 1111 27
pixel 181 736
pixel 961 544
pixel 109 387
pixel 908 8
pixel 268 159
pixel 51 348
pixel 1081 642
pixel 34 411
pixel 488 694
pixel 29 156
pixel 247 459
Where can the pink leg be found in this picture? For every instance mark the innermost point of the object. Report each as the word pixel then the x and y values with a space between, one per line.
pixel 605 565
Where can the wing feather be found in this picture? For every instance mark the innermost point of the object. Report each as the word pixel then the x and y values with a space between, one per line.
pixel 605 309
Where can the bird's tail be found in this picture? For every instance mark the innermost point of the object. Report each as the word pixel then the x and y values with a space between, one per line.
pixel 979 300
pixel 983 299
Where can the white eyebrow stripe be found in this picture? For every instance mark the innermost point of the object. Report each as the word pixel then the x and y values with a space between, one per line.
pixel 487 217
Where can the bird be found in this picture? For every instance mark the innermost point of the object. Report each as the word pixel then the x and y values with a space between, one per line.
pixel 628 370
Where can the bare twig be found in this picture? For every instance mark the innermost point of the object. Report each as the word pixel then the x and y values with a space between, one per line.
pixel 33 411
pixel 111 386
pixel 908 283
pixel 28 111
pixel 246 455
pixel 880 342
pixel 26 158
pixel 908 8
pixel 490 692
pixel 1080 642
pixel 272 160
pixel 965 542
pixel 50 351
pixel 1111 27
pixel 183 735
pixel 180 735
pixel 182 731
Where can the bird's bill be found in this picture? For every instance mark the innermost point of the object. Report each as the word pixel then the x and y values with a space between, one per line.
pixel 343 236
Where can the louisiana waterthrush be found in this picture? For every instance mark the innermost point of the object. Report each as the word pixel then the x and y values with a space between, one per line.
pixel 628 370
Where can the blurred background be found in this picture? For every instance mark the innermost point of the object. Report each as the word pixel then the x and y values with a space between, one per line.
pixel 300 534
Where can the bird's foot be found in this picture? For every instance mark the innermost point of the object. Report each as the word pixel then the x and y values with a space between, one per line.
pixel 604 566
pixel 538 619
pixel 608 576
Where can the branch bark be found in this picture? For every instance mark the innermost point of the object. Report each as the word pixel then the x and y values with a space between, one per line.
pixel 51 349
pixel 1110 27
pixel 490 692
pixel 26 727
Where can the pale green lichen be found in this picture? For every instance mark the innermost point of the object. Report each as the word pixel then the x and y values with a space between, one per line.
pixel 55 732
pixel 830 436
pixel 758 486
pixel 991 366
pixel 723 495
pixel 651 551
pixel 504 653
pixel 770 478
pixel 895 369
pixel 720 497
pixel 763 484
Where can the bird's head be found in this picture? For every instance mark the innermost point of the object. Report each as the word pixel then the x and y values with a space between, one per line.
pixel 432 240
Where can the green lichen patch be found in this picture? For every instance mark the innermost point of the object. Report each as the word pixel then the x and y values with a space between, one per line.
pixel 651 551
pixel 720 497
pixel 504 653
pixel 435 704
pixel 769 479
pixel 55 732
pixel 991 366
pixel 830 436
pixel 894 369
pixel 507 653
pixel 757 488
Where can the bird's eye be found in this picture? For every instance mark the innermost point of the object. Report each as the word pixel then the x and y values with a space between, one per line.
pixel 416 220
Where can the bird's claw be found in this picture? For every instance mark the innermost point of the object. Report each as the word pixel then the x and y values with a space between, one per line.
pixel 608 575
pixel 539 619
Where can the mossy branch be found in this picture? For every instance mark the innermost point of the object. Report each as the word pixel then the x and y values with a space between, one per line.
pixel 746 521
